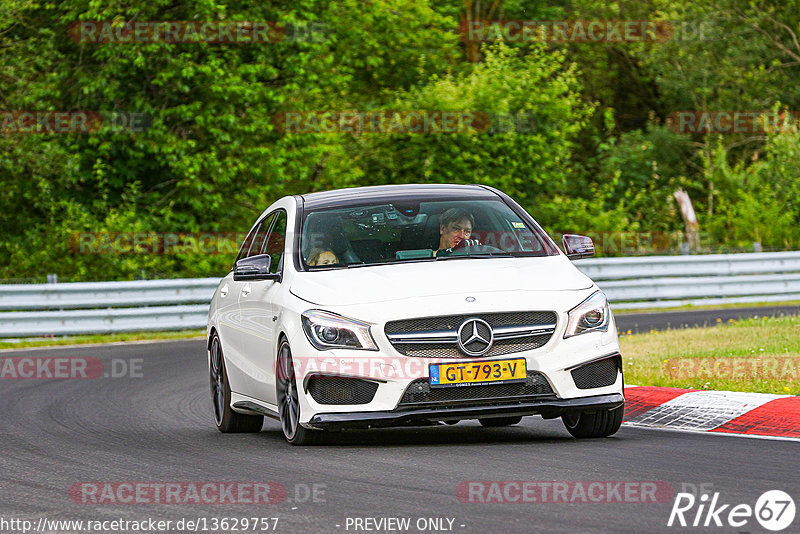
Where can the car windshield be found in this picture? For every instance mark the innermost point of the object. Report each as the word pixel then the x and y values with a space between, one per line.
pixel 392 232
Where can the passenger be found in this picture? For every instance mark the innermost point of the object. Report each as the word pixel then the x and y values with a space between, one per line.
pixel 455 227
pixel 322 257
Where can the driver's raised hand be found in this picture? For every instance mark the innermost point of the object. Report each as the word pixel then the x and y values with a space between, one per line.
pixel 467 243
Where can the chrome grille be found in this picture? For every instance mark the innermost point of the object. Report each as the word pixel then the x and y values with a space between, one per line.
pixel 452 322
pixel 436 337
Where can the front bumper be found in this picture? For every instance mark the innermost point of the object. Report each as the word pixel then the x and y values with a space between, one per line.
pixel 546 407
pixel 394 373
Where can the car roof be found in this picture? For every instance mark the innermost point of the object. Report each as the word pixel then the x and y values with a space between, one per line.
pixel 359 195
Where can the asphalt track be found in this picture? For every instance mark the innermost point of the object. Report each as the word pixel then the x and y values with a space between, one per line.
pixel 644 322
pixel 157 427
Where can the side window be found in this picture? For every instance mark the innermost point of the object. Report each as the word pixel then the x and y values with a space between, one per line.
pixel 254 241
pixel 247 242
pixel 261 236
pixel 276 242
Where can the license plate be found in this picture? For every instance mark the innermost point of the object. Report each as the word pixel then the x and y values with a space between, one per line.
pixel 478 373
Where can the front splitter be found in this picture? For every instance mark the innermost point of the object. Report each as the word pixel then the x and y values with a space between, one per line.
pixel 548 408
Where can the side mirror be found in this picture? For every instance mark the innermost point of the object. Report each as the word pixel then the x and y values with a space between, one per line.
pixel 254 268
pixel 577 246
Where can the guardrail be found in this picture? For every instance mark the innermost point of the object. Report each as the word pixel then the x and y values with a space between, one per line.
pixel 629 283
pixel 104 307
pixel 666 281
pixel 82 295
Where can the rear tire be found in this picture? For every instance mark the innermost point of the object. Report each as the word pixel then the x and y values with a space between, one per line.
pixel 289 403
pixel 490 422
pixel 599 424
pixel 226 419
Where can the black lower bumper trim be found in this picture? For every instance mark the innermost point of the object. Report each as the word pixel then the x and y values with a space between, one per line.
pixel 547 408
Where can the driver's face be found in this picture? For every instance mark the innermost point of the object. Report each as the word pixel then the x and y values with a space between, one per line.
pixel 455 232
pixel 327 258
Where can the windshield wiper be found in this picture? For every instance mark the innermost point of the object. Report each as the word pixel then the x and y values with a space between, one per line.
pixel 390 262
pixel 312 268
pixel 411 260
pixel 477 256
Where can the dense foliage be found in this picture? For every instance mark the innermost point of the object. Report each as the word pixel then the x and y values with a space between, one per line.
pixel 582 133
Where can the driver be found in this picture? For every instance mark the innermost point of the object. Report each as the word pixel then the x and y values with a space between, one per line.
pixel 455 227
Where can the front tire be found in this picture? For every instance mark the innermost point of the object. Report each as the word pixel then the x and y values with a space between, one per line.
pixel 289 401
pixel 226 419
pixel 599 424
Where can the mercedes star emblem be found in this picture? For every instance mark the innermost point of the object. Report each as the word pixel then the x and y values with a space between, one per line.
pixel 475 337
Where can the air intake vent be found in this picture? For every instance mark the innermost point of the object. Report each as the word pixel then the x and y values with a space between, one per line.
pixel 597 374
pixel 419 392
pixel 341 390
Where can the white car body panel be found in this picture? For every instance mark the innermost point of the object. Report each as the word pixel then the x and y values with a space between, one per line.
pixel 366 285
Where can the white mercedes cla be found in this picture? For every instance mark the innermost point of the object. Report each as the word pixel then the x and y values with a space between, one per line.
pixel 409 305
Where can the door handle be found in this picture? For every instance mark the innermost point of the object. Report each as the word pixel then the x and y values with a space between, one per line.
pixel 246 290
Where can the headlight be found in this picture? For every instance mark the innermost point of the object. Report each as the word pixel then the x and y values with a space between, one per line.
pixel 327 330
pixel 591 315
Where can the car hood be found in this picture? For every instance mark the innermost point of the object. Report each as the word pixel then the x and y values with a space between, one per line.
pixel 381 283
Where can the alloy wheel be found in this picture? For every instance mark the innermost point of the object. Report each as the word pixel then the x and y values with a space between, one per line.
pixel 288 399
pixel 217 381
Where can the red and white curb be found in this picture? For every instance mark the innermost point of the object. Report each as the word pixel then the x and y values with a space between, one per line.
pixel 728 412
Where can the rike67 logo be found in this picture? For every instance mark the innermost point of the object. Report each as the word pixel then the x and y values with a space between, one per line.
pixel 774 510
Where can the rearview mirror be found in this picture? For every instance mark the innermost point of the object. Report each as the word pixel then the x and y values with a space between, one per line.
pixel 577 246
pixel 254 268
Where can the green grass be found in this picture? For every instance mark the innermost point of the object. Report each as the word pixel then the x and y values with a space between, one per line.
pixel 99 338
pixel 758 355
